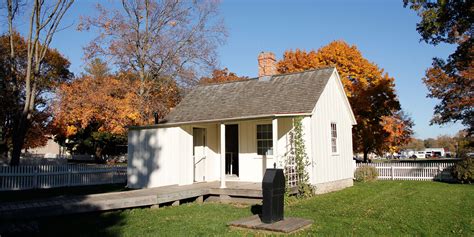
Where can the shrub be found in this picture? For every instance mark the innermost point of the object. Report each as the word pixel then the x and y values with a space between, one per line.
pixel 366 173
pixel 463 171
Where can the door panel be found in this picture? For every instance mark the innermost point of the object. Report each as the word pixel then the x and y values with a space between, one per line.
pixel 199 154
pixel 232 149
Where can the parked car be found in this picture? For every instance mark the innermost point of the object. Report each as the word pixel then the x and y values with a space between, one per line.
pixel 419 155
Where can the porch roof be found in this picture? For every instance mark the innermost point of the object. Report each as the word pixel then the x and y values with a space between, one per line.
pixel 293 93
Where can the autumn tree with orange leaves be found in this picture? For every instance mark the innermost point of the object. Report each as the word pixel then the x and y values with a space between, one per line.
pixel 221 75
pixel 370 90
pixel 89 108
pixel 95 110
pixel 399 127
pixel 52 72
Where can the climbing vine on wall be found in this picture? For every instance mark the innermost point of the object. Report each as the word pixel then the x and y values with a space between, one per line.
pixel 296 162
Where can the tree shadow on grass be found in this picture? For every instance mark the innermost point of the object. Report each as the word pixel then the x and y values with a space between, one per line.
pixel 87 224
pixel 51 217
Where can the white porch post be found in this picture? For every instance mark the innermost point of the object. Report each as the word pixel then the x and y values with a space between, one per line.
pixel 275 142
pixel 223 155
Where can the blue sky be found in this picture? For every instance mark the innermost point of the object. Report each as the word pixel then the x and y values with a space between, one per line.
pixel 383 31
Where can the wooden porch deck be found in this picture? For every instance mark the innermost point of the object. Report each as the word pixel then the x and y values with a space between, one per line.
pixel 153 197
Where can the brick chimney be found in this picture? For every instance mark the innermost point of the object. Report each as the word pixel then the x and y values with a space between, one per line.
pixel 266 64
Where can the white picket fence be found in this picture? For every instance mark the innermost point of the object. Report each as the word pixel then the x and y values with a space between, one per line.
pixel 53 176
pixel 413 171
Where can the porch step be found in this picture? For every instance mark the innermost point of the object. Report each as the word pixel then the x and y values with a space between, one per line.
pixel 236 192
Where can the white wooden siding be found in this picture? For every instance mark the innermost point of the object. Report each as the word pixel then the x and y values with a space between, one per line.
pixel 251 165
pixel 308 139
pixel 159 157
pixel 331 107
pixel 163 156
pixel 212 151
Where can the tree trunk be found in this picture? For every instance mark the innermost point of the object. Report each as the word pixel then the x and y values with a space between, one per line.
pixel 366 158
pixel 98 154
pixel 19 134
pixel 4 146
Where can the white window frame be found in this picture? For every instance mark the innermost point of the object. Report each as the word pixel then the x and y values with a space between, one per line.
pixel 334 138
pixel 267 139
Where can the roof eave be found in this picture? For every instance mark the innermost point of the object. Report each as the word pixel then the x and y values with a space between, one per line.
pixel 224 120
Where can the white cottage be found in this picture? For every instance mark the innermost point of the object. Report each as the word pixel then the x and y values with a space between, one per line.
pixel 232 132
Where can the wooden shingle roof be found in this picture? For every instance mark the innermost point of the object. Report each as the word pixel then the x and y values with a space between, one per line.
pixel 293 93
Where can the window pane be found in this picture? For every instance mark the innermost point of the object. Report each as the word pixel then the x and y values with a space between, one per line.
pixel 264 139
pixel 333 137
pixel 333 130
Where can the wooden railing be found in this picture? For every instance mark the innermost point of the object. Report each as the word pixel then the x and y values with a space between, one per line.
pixel 52 176
pixel 413 171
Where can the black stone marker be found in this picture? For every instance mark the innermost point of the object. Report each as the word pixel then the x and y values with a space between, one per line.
pixel 273 190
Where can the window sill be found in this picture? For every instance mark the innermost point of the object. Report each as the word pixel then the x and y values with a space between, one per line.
pixel 335 154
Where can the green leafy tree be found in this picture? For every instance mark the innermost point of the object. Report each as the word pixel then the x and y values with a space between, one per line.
pixel 302 161
pixel 90 140
pixel 297 161
pixel 97 68
pixel 430 143
pixel 415 144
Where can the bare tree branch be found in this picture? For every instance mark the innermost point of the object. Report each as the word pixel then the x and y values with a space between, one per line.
pixel 158 39
pixel 43 24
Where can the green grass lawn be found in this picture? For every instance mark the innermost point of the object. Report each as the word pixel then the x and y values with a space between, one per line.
pixel 383 208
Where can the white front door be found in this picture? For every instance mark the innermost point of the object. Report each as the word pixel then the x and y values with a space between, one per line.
pixel 199 154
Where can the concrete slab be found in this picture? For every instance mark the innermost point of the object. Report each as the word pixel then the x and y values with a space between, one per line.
pixel 287 226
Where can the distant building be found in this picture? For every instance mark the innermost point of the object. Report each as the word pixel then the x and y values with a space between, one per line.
pixel 51 150
pixel 435 152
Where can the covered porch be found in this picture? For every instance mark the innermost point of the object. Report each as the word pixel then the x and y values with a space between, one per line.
pixel 223 151
pixel 240 150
